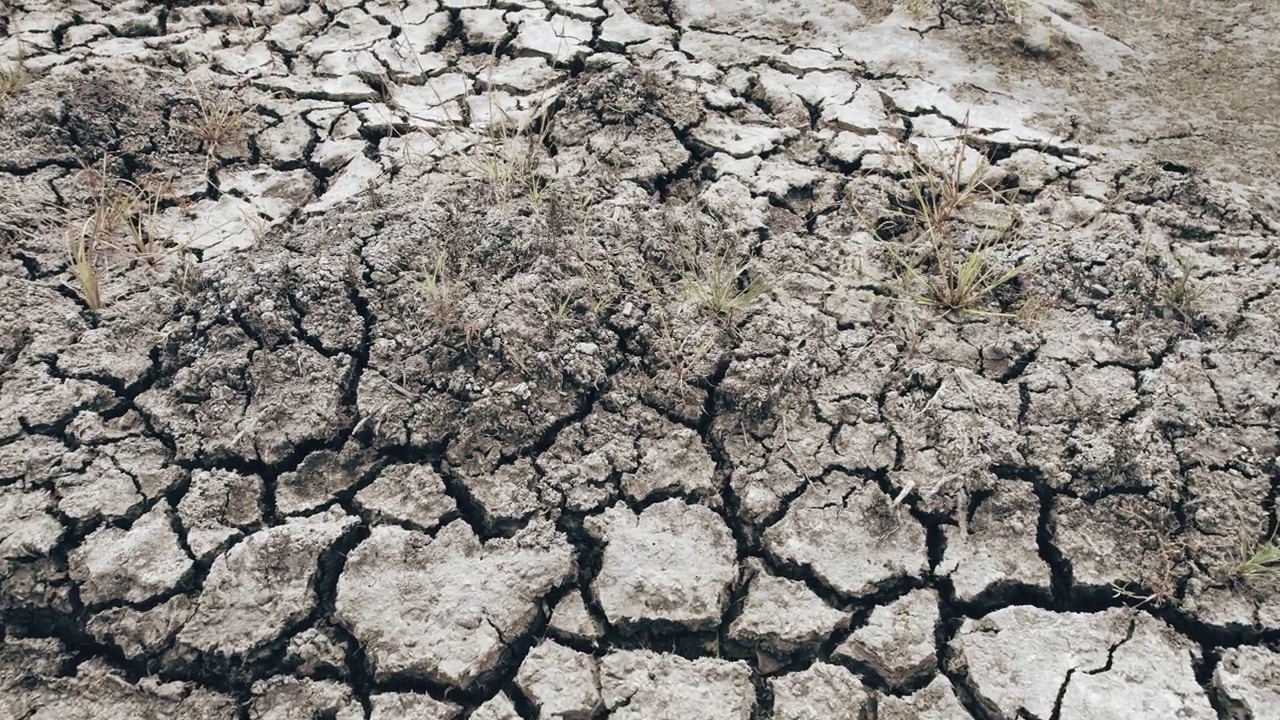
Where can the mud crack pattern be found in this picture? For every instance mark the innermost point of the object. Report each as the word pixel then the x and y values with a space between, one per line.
pixel 556 359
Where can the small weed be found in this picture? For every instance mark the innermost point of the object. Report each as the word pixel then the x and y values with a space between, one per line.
pixel 12 78
pixel 434 281
pixel 936 191
pixel 715 276
pixel 946 270
pixel 1181 295
pixel 959 278
pixel 1257 561
pixel 218 120
pixel 83 255
pixel 724 288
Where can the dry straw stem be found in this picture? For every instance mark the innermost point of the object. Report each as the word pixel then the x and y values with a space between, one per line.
pixel 961 276
pixel 123 218
pixel 506 151
pixel 1181 295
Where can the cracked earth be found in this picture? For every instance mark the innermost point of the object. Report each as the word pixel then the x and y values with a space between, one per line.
pixel 399 393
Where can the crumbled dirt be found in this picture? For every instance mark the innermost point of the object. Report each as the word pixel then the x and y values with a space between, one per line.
pixel 514 360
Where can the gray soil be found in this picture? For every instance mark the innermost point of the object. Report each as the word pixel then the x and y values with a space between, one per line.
pixel 585 359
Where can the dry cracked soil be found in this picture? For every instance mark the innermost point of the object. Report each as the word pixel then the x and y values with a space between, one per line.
pixel 639 359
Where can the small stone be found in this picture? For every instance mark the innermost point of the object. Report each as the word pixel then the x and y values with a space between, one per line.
pixel 312 652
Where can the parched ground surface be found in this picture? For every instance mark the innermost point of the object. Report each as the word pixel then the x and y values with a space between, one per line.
pixel 578 359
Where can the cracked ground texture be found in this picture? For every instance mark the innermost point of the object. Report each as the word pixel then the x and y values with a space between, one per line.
pixel 558 359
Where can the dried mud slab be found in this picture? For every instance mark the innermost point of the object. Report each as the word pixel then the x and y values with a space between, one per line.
pixel 472 599
pixel 1086 664
pixel 671 564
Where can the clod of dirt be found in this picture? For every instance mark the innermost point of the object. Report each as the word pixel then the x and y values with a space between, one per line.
pixel 101 491
pixel 258 405
pixel 286 698
pixel 1115 539
pixel 319 477
pixel 999 548
pixel 674 461
pixel 822 691
pixel 1247 681
pixel 937 701
pixel 446 608
pixel 262 587
pixel 845 531
pixel 573 620
pixel 781 616
pixel 410 706
pixel 673 563
pixel 139 633
pixel 642 684
pixel 313 652
pixel 156 561
pixel 27 524
pixel 1153 669
pixel 410 494
pixel 217 506
pixel 499 707
pixel 23 658
pixel 560 682
pixel 898 643
pixel 1100 664
pixel 99 692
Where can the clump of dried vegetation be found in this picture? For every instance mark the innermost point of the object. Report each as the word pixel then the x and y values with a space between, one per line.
pixel 122 221
pixel 12 78
pixel 215 119
pixel 939 262
pixel 1257 560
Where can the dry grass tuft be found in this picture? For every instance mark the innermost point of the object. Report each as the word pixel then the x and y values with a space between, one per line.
pixel 12 78
pixel 941 266
pixel 717 276
pixel 218 120
pixel 1257 560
